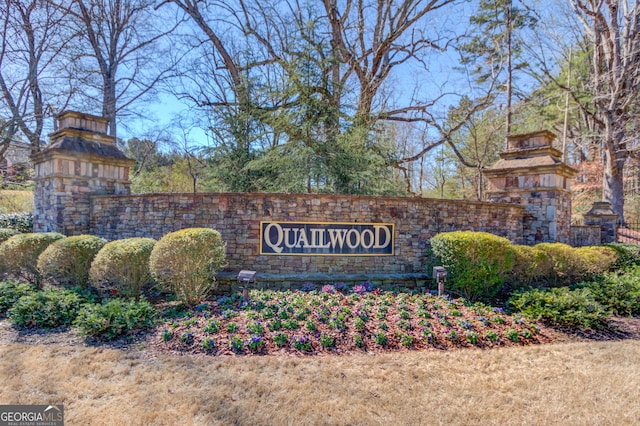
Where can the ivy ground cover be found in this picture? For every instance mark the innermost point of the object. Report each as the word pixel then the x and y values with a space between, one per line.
pixel 270 322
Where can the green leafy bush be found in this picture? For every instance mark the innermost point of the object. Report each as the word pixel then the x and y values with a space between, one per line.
pixel 477 262
pixel 46 309
pixel 22 222
pixel 10 292
pixel 561 306
pixel 619 293
pixel 121 267
pixel 186 261
pixel 67 261
pixel 19 254
pixel 6 233
pixel 115 318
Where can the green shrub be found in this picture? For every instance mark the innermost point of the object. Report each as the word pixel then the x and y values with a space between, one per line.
pixel 561 306
pixel 19 254
pixel 6 233
pixel 10 292
pixel 619 293
pixel 22 222
pixel 46 309
pixel 628 254
pixel 115 318
pixel 67 261
pixel 186 261
pixel 530 265
pixel 121 267
pixel 477 262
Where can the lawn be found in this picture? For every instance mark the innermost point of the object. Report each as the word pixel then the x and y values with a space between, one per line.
pixel 563 383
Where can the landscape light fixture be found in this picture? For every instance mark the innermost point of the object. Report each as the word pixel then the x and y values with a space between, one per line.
pixel 440 275
pixel 247 277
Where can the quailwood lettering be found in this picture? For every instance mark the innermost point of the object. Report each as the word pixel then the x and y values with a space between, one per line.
pixel 326 239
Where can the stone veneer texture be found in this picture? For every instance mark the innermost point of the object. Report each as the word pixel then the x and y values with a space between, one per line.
pixel 237 217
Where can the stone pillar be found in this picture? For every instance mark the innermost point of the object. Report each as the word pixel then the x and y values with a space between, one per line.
pixel 531 173
pixel 602 215
pixel 80 161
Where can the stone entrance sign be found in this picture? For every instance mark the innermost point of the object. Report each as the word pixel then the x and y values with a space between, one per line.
pixel 326 239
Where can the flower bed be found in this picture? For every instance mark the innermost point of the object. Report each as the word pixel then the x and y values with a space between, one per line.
pixel 329 321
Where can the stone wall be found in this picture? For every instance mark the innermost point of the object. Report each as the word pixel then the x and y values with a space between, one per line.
pixel 585 235
pixel 238 216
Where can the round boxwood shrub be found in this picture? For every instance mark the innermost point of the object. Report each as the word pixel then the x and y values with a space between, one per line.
pixel 46 309
pixel 477 262
pixel 121 267
pixel 67 261
pixel 6 233
pixel 185 262
pixel 19 254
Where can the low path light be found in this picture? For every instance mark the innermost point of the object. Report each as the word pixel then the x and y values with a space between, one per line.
pixel 440 275
pixel 247 277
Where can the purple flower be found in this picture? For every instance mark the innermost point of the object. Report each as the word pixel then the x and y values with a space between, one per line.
pixel 340 286
pixel 308 287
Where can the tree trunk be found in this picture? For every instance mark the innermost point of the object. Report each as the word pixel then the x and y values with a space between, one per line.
pixel 613 182
pixel 109 104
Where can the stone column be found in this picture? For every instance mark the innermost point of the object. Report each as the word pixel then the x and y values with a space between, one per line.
pixel 602 215
pixel 80 161
pixel 531 173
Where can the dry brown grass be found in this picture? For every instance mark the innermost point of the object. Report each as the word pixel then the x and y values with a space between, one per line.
pixel 16 201
pixel 567 383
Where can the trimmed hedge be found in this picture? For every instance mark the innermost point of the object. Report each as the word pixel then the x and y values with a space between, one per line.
pixel 121 267
pixel 185 262
pixel 531 265
pixel 575 264
pixel 19 254
pixel 478 262
pixel 67 261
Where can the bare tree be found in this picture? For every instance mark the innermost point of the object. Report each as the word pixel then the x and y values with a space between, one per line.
pixel 612 28
pixel 31 41
pixel 122 57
